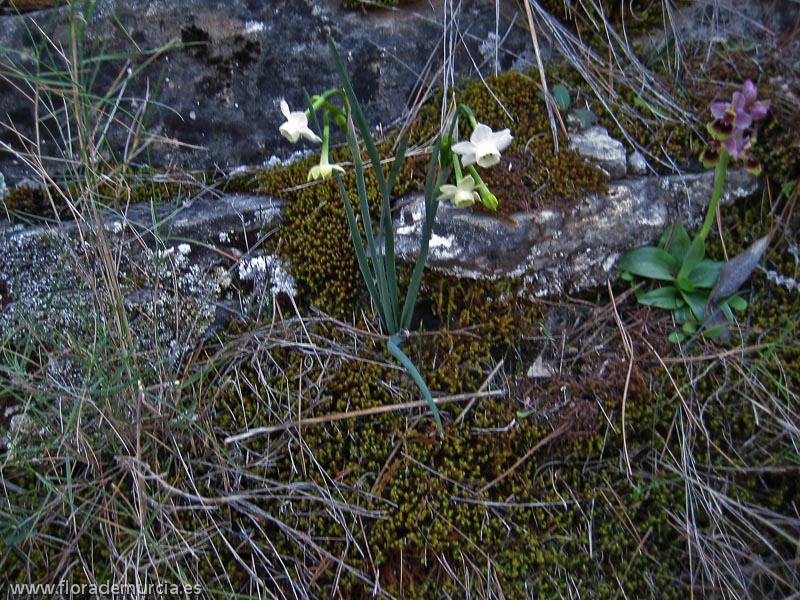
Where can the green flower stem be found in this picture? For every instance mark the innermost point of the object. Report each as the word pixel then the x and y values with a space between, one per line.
pixel 488 199
pixel 322 101
pixel 457 167
pixel 393 346
pixel 462 108
pixel 326 136
pixel 719 182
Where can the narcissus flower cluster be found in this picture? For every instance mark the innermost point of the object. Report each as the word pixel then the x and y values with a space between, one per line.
pixel 373 240
pixel 483 149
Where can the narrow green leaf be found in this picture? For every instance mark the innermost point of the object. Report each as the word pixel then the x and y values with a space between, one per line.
pixel 389 308
pixel 431 206
pixel 358 115
pixel 393 346
pixel 391 264
pixel 685 284
pixel 361 257
pixel 737 303
pixel 650 262
pixel 725 309
pixel 676 337
pixel 697 301
pixel 388 230
pixel 676 241
pixel 716 331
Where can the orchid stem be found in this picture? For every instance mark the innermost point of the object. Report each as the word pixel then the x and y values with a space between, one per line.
pixel 719 182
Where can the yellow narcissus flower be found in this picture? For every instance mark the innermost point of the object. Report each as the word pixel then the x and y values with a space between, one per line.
pixel 463 194
pixel 324 169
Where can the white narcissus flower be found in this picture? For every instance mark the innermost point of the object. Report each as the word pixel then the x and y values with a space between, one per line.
pixel 484 146
pixel 462 194
pixel 324 169
pixel 296 125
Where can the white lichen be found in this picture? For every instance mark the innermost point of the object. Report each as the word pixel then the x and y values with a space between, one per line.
pixel 267 268
pixel 254 27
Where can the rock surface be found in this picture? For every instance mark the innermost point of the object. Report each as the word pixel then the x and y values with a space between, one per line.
pixel 197 263
pixel 609 154
pixel 215 94
pixel 560 252
pixel 181 271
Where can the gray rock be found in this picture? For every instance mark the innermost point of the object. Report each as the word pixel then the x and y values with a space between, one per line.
pixel 175 268
pixel 215 95
pixel 608 153
pixel 637 164
pixel 557 252
pixel 184 269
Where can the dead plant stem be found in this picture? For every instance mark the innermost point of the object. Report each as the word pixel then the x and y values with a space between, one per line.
pixel 543 442
pixel 628 344
pixel 365 412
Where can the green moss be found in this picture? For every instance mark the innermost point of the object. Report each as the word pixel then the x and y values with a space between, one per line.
pixel 566 516
pixel 530 517
pixel 113 189
pixel 531 174
pixel 315 237
pixel 438 514
pixel 25 201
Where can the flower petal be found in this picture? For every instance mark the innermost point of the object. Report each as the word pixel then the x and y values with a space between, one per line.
pixel 309 134
pixel 467 152
pixel 718 109
pixel 739 102
pixel 502 139
pixel 759 110
pixel 289 132
pixel 749 92
pixel 488 159
pixel 711 155
pixel 480 133
pixel 446 192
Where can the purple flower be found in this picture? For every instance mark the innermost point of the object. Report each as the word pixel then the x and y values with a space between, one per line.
pixel 732 119
pixel 732 115
pixel 758 109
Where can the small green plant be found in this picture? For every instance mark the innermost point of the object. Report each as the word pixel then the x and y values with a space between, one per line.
pixel 579 118
pixel 689 278
pixel 699 290
pixel 376 251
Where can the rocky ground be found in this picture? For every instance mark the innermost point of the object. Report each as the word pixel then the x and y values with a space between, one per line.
pixel 196 390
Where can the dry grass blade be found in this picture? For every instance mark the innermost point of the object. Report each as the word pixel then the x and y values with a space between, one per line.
pixel 541 443
pixel 629 350
pixel 355 414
